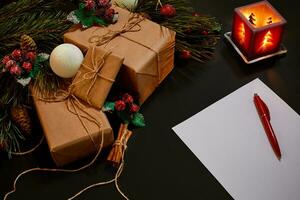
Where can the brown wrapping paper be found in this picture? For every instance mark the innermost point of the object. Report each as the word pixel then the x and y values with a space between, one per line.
pixel 148 53
pixel 96 76
pixel 67 139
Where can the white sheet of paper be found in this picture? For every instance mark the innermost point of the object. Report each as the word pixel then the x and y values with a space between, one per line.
pixel 229 139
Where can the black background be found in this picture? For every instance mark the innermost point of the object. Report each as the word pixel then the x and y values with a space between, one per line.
pixel 158 164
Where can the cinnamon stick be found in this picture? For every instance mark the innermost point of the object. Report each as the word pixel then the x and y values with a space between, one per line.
pixel 116 153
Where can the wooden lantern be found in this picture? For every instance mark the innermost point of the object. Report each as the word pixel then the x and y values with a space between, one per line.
pixel 257 29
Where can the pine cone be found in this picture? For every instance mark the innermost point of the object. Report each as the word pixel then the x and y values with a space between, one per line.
pixel 20 117
pixel 27 43
pixel 3 145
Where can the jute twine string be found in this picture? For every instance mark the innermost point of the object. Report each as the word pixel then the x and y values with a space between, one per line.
pixel 132 25
pixel 75 106
pixel 117 175
pixel 30 150
pixel 93 73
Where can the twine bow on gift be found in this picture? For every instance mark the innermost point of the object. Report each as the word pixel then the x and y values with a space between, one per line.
pixel 132 25
pixel 92 74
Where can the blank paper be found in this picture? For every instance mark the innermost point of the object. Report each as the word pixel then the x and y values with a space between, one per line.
pixel 229 139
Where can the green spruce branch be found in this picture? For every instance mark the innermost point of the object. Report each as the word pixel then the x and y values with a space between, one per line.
pixel 9 132
pixel 187 26
pixel 46 82
pixel 44 21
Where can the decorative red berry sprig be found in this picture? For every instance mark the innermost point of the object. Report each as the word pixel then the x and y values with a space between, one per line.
pixel 125 107
pixel 23 63
pixel 128 111
pixel 19 63
pixel 92 12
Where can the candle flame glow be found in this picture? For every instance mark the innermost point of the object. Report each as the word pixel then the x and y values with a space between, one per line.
pixel 241 33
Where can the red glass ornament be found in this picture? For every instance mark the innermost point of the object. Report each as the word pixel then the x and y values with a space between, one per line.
pixel 168 10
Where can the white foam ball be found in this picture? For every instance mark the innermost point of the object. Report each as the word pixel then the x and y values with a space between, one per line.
pixel 128 4
pixel 65 60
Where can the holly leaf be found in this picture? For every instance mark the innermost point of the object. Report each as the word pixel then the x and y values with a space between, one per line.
pixel 41 57
pixel 35 70
pixel 87 17
pixel 138 120
pixel 108 106
pixel 100 21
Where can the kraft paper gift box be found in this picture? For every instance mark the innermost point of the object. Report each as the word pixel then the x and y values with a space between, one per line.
pixel 96 75
pixel 147 48
pixel 66 136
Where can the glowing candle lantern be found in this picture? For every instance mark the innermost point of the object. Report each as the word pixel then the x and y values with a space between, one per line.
pixel 257 29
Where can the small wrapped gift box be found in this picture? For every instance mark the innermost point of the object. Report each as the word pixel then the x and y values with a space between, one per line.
pixel 96 75
pixel 67 138
pixel 147 48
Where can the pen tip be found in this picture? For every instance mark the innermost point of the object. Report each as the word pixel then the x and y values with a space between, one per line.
pixel 255 94
pixel 279 158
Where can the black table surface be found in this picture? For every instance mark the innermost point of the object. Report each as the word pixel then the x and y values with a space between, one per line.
pixel 158 164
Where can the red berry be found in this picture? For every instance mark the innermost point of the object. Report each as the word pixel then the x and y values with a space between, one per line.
pixel 27 66
pixel 90 4
pixel 9 64
pixel 16 54
pixel 109 14
pixel 5 59
pixel 185 54
pixel 127 98
pixel 31 55
pixel 120 105
pixel 168 10
pixel 104 3
pixel 134 108
pixel 195 14
pixel 15 70
pixel 204 32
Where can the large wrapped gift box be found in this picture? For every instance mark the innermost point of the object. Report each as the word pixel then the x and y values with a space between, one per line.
pixel 147 48
pixel 67 138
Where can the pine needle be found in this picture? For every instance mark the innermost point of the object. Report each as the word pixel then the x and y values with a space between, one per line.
pixel 188 28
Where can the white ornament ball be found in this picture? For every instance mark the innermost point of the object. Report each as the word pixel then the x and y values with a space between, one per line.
pixel 128 4
pixel 65 60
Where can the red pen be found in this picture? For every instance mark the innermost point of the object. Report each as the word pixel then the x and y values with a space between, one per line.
pixel 265 118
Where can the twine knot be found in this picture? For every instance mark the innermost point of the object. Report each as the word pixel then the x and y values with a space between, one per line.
pixel 132 25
